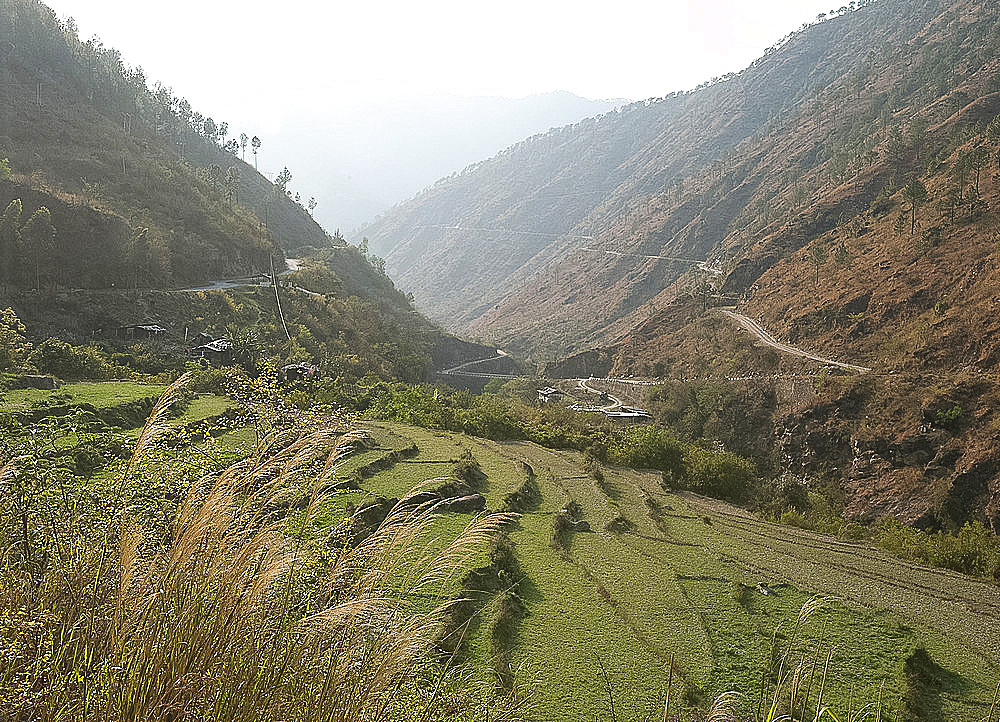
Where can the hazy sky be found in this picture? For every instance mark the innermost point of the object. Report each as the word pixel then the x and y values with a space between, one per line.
pixel 255 63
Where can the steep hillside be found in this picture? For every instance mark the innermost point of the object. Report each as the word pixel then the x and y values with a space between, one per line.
pixel 851 212
pixel 908 292
pixel 144 194
pixel 362 161
pixel 84 132
pixel 562 241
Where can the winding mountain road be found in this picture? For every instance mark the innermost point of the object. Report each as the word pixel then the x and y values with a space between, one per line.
pixel 701 264
pixel 460 369
pixel 768 340
pixel 261 279
pixel 615 401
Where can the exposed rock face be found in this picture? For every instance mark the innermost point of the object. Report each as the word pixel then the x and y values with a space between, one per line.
pixel 746 272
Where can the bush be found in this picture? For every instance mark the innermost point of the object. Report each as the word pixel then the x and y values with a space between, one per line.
pixel 974 550
pixel 468 470
pixel 61 359
pixel 14 347
pixel 719 474
pixel 208 380
pixel 145 361
pixel 491 418
pixel 647 447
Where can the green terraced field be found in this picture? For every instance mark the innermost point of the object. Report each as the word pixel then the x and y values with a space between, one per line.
pixel 202 407
pixel 100 395
pixel 683 584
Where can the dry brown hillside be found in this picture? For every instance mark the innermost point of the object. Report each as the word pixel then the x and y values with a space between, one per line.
pixel 520 249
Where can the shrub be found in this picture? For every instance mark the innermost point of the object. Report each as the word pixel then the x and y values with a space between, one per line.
pixel 467 469
pixel 14 347
pixel 59 358
pixel 974 550
pixel 647 447
pixel 719 474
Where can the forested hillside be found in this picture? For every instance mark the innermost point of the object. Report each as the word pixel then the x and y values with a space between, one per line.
pixel 112 194
pixel 739 173
pixel 141 186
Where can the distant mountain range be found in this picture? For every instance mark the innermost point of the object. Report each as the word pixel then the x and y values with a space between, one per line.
pixel 362 161
pixel 841 191
pixel 515 249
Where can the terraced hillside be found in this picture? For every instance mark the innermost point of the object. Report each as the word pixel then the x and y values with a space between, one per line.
pixel 666 576
pixel 607 589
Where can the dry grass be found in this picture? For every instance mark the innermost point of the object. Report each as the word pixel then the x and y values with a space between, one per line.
pixel 235 612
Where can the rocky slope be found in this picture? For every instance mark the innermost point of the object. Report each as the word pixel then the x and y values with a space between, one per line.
pixel 521 249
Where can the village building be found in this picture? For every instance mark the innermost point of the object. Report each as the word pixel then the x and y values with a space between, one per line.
pixel 549 394
pixel 141 331
pixel 218 352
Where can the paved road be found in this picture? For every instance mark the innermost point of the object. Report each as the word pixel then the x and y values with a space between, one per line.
pixel 757 330
pixel 291 265
pixel 460 369
pixel 615 401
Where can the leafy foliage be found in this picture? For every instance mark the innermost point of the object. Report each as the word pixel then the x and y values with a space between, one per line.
pixel 14 345
pixel 111 157
pixel 973 550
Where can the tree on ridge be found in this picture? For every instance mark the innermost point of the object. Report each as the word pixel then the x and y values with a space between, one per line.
pixel 38 235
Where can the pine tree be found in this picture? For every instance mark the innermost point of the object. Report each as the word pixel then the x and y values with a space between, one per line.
pixel 255 143
pixel 914 193
pixel 817 257
pixel 232 184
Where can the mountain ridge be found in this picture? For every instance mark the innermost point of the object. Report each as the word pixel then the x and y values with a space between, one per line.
pixel 657 197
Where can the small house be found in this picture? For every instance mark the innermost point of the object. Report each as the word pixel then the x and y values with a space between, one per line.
pixel 549 394
pixel 218 352
pixel 141 331
pixel 299 372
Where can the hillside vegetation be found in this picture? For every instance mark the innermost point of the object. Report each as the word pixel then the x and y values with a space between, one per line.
pixel 842 190
pixel 139 184
pixel 610 589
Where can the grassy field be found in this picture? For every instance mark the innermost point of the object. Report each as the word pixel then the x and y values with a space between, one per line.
pixel 660 576
pixel 683 583
pixel 100 395
pixel 202 407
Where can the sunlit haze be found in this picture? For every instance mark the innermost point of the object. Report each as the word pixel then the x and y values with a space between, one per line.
pixel 264 60
pixel 363 101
